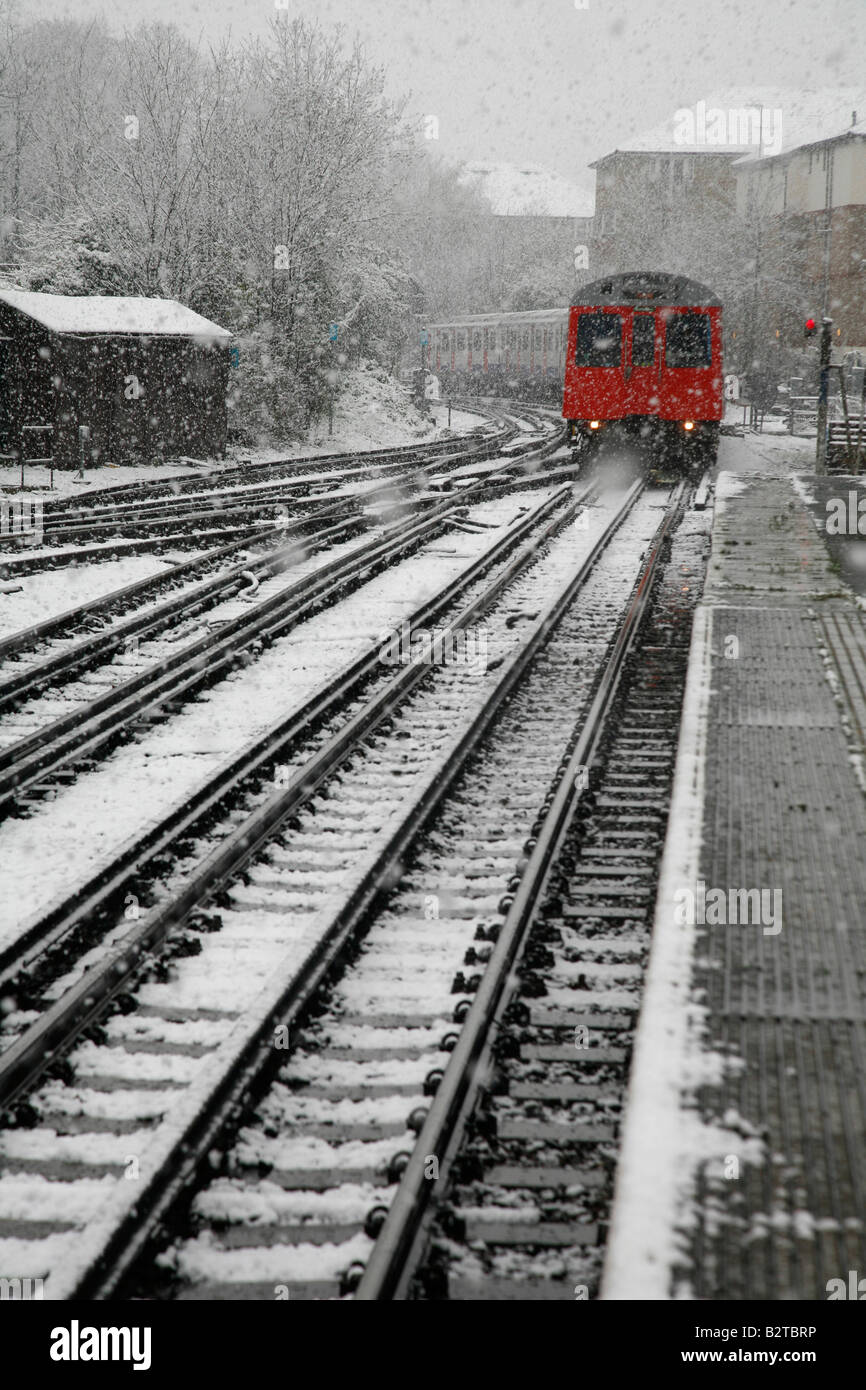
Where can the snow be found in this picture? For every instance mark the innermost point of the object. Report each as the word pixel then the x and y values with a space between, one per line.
pixel 49 593
pixel 88 821
pixel 100 313
pixel 664 1141
pixel 807 116
pixel 531 190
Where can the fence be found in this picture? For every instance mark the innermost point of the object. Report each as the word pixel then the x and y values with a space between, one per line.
pixel 20 454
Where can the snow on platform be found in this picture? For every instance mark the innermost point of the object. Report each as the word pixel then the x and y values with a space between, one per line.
pixel 743 1170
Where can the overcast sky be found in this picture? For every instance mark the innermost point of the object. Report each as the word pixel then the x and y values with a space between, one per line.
pixel 543 81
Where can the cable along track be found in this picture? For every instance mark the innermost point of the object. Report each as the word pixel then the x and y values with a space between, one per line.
pixel 214 1057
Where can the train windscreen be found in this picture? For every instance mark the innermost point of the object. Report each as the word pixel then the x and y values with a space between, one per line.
pixel 599 340
pixel 688 340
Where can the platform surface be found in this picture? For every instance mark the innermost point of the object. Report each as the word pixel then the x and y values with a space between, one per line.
pixel 743 1172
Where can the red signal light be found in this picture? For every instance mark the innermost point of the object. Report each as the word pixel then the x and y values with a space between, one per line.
pixel 810 328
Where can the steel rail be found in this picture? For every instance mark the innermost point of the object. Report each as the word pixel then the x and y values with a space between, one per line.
pixel 115 521
pixel 27 637
pixel 47 559
pixel 275 492
pixel 242 472
pixel 399 1245
pixel 64 665
pixel 27 1058
pixel 107 886
pixel 38 632
pixel 83 731
pixel 256 1061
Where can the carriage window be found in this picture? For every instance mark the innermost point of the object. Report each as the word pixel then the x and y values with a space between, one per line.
pixel 688 340
pixel 476 340
pixel 524 340
pixel 512 337
pixel 538 336
pixel 444 342
pixel 643 340
pixel 599 340
pixel 461 341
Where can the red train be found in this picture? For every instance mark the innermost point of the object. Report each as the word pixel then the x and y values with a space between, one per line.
pixel 644 357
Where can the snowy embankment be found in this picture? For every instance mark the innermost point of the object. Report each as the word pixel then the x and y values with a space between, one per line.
pixel 373 411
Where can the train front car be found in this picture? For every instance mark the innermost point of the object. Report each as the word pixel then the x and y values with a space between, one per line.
pixel 644 359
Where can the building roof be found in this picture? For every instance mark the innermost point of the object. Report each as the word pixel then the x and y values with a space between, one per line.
pixel 528 190
pixel 806 117
pixel 114 314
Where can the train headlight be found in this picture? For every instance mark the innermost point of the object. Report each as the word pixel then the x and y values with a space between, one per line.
pixel 688 424
pixel 594 424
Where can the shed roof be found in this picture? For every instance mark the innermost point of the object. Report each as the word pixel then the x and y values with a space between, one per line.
pixel 115 314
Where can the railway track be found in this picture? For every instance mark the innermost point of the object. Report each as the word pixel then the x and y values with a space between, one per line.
pixel 26 957
pixel 202 1060
pixel 527 1131
pixel 152 669
pixel 248 473
pixel 233 506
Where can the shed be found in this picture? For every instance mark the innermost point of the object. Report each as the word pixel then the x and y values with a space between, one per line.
pixel 109 379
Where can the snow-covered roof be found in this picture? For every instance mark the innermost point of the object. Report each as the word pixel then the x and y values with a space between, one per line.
pixel 528 191
pixel 100 313
pixel 792 118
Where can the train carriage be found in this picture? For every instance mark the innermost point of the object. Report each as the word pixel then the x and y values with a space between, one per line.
pixel 519 354
pixel 638 353
pixel 645 357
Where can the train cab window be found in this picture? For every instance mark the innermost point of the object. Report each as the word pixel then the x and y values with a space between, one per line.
pixel 599 340
pixel 688 340
pixel 643 340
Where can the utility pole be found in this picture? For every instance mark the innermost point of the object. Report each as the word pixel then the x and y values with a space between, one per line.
pixel 823 390
pixel 333 335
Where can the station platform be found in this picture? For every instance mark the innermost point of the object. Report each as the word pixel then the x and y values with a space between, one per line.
pixel 743 1168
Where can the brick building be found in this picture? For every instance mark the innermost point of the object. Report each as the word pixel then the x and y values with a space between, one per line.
pixel 812 199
